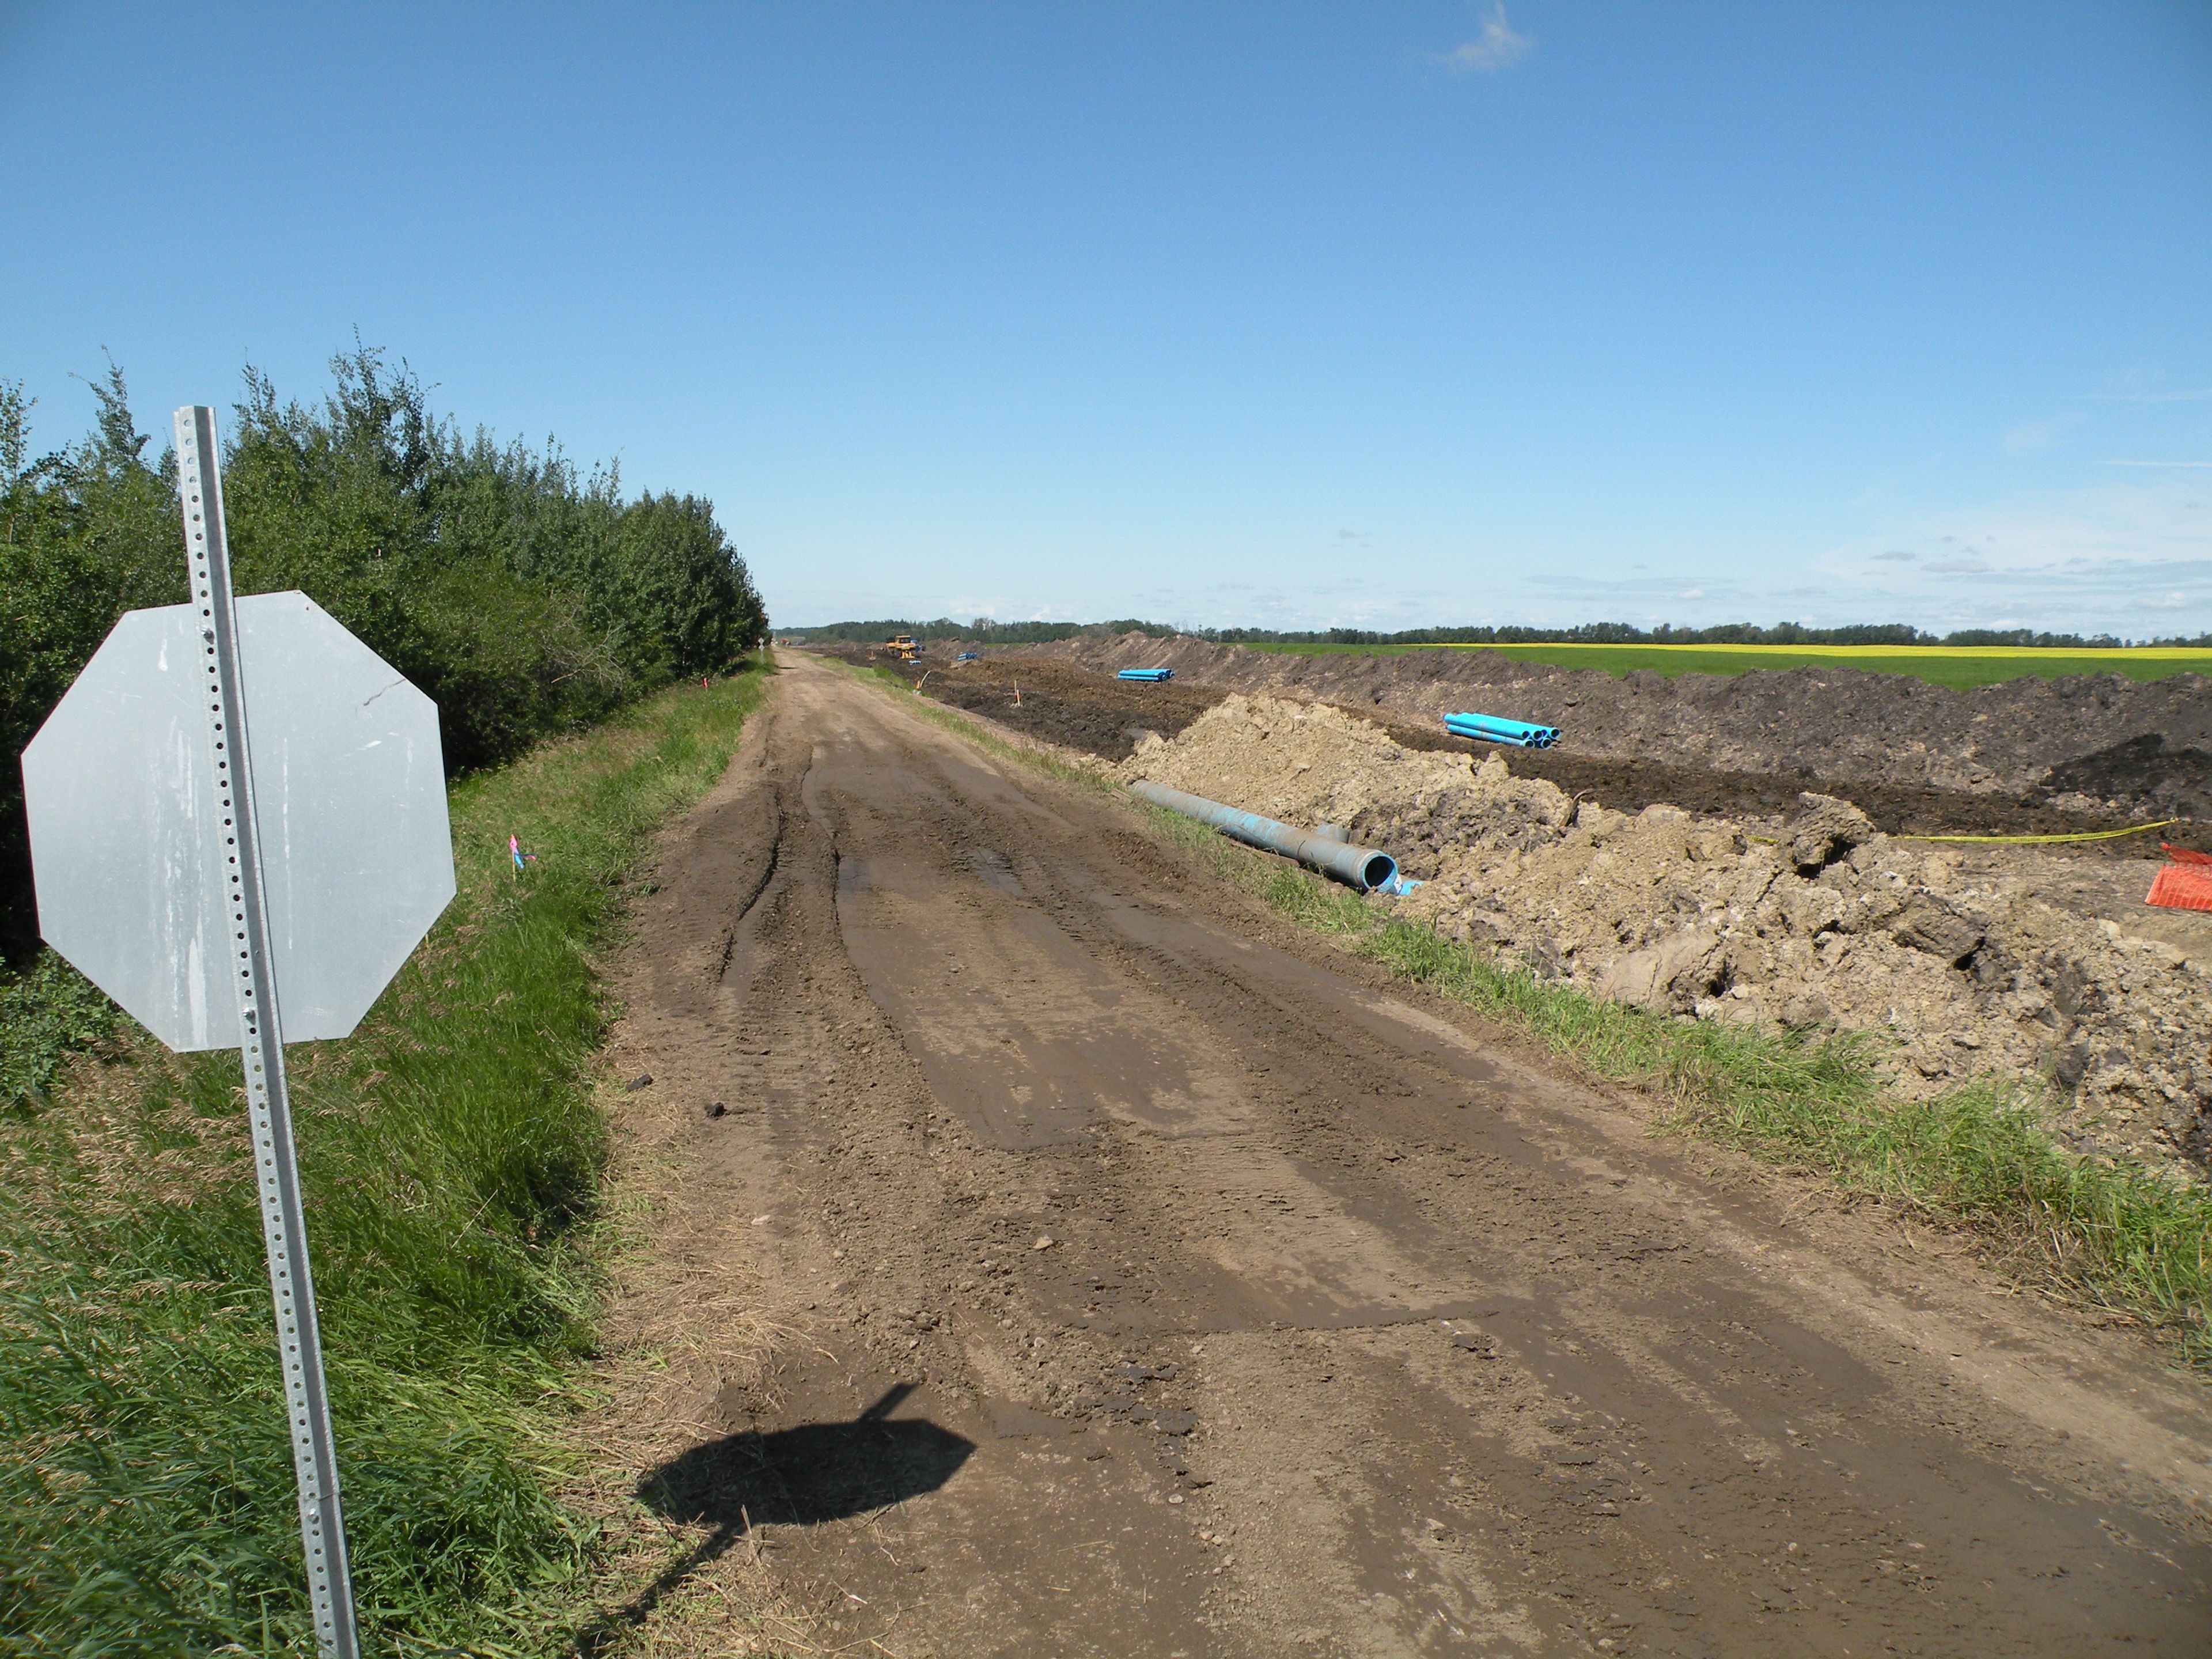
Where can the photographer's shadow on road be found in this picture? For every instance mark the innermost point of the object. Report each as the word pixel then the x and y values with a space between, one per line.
pixel 800 1476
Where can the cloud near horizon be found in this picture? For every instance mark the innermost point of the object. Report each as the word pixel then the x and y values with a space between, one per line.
pixel 2085 559
pixel 1491 50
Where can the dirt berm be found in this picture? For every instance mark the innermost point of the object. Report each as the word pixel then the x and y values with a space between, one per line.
pixel 1963 963
pixel 2080 741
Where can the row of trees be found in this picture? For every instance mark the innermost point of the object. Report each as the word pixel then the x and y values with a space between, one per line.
pixel 525 597
pixel 997 633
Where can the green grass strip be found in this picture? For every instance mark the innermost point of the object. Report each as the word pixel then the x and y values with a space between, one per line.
pixel 451 1152
pixel 1960 667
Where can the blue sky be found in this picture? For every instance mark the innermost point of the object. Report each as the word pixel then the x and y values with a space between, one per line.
pixel 1287 315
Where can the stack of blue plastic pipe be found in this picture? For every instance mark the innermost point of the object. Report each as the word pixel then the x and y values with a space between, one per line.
pixel 1491 728
pixel 1151 674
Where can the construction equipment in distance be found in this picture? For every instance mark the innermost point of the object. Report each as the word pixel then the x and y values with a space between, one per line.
pixel 902 647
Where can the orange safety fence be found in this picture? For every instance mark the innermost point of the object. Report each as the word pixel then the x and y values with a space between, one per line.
pixel 2184 881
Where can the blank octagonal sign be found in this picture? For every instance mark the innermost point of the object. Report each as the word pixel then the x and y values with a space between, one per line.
pixel 127 843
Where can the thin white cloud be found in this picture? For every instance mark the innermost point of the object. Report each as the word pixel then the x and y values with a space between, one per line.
pixel 1490 50
pixel 2180 464
pixel 2031 436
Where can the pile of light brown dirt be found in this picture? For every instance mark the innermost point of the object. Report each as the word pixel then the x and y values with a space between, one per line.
pixel 1964 961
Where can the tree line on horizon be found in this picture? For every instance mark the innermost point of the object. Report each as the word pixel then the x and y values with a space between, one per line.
pixel 523 598
pixel 984 630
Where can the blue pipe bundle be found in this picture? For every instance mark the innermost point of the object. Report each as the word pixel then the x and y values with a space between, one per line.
pixel 1491 728
pixel 1355 866
pixel 1152 675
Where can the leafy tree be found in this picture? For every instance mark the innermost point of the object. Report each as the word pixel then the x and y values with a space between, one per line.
pixel 524 599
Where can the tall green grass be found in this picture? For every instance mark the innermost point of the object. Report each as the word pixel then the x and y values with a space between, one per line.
pixel 450 1152
pixel 2124 1238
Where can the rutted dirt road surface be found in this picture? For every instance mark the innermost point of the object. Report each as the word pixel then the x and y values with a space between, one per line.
pixel 1157 1280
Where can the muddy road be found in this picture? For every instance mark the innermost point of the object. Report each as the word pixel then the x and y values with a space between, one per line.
pixel 1142 1278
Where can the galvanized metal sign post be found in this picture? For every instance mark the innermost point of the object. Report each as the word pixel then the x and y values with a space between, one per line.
pixel 261 1043
pixel 226 866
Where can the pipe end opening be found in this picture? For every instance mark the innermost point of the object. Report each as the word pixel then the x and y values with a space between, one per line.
pixel 1377 871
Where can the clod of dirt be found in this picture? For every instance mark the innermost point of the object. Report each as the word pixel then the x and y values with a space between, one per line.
pixel 1820 921
pixel 1669 977
pixel 637 1082
pixel 1929 925
pixel 1827 830
pixel 717 1109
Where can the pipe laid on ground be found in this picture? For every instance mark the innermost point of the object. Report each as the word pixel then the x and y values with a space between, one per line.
pixel 1492 728
pixel 1357 866
pixel 1152 675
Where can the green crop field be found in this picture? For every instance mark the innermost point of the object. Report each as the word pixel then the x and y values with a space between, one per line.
pixel 1958 666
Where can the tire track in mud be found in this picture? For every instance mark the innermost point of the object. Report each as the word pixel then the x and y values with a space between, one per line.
pixel 1212 1297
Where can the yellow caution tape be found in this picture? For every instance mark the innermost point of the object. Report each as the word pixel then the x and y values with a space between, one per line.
pixel 2019 841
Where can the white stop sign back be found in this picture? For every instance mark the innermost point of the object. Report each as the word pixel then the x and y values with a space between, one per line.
pixel 128 848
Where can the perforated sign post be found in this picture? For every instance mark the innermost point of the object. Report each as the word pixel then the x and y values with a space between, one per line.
pixel 238 832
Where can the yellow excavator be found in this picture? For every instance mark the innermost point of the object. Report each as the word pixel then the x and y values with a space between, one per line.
pixel 902 647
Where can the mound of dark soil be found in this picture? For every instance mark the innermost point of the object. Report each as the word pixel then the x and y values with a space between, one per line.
pixel 1630 786
pixel 2167 777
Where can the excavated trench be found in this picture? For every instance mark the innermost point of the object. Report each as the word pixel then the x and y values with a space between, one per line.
pixel 1086 710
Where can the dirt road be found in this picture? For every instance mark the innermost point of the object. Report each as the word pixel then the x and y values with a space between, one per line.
pixel 1155 1281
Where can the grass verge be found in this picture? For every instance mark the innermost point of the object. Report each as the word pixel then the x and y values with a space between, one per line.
pixel 449 1152
pixel 2130 1242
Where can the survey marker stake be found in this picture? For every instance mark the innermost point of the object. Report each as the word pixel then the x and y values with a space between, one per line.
pixel 261 1044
